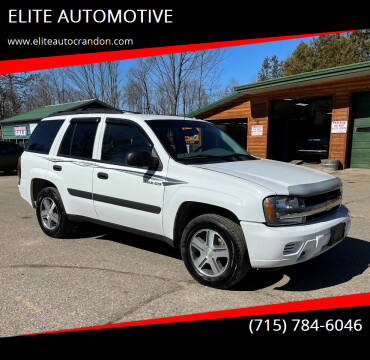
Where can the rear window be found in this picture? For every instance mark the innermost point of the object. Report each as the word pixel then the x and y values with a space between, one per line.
pixel 43 136
pixel 79 139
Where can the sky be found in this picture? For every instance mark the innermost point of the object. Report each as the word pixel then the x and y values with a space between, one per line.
pixel 243 62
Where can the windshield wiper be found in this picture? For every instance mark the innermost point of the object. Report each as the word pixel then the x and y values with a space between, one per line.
pixel 209 156
pixel 198 157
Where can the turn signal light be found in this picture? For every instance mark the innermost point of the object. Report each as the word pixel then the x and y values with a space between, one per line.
pixel 269 208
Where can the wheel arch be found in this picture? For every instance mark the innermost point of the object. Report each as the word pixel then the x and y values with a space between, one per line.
pixel 189 210
pixel 37 184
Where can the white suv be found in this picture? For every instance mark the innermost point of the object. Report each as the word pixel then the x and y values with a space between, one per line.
pixel 185 182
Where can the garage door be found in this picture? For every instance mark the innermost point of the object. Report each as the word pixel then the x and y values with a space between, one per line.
pixel 361 143
pixel 360 153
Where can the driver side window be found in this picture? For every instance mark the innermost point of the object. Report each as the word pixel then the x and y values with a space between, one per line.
pixel 120 139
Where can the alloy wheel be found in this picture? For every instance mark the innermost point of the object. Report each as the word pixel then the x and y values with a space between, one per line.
pixel 49 213
pixel 209 252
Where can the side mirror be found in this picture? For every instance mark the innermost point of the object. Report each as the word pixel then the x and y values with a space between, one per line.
pixel 142 158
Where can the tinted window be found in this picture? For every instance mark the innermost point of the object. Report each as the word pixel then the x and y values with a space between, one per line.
pixel 120 139
pixel 65 147
pixel 79 139
pixel 188 140
pixel 43 136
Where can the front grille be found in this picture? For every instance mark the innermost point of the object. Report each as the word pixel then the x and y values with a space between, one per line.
pixel 321 199
pixel 318 199
pixel 321 214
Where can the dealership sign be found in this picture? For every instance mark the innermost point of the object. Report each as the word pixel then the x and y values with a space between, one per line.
pixel 339 127
pixel 257 130
pixel 20 130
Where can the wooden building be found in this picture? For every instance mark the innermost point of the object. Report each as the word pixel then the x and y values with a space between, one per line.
pixel 308 116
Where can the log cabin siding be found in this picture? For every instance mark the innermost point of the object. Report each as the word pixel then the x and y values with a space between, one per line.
pixel 255 107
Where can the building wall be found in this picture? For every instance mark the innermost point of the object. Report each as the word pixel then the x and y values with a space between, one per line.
pixel 234 110
pixel 8 133
pixel 256 109
pixel 340 112
pixel 258 115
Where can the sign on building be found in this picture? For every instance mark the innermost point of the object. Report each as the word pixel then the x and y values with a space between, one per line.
pixel 20 131
pixel 257 130
pixel 339 127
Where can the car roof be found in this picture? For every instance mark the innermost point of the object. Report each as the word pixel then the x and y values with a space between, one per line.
pixel 127 116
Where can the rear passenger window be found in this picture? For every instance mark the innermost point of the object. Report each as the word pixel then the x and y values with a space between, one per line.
pixel 120 139
pixel 43 136
pixel 79 138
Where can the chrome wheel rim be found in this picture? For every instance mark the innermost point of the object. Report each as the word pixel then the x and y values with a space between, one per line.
pixel 49 213
pixel 209 252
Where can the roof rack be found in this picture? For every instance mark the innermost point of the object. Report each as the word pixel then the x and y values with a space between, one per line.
pixel 89 111
pixel 131 112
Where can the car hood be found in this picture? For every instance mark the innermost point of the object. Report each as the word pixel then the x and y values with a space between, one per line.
pixel 279 177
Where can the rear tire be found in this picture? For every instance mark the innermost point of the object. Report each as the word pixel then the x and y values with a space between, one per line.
pixel 51 214
pixel 214 251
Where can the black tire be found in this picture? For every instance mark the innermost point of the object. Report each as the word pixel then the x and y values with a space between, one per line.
pixel 238 264
pixel 64 226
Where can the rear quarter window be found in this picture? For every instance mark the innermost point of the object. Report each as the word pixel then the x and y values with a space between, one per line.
pixel 78 141
pixel 43 136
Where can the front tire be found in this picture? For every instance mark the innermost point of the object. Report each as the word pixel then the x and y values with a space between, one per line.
pixel 51 214
pixel 214 251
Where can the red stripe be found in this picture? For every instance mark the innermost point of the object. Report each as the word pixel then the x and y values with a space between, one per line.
pixel 33 64
pixel 344 301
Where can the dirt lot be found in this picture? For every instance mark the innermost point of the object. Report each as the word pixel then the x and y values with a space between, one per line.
pixel 100 276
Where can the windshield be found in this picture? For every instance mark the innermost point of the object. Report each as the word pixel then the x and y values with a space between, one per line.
pixel 189 141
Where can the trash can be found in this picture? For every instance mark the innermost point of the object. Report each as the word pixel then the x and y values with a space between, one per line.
pixel 330 164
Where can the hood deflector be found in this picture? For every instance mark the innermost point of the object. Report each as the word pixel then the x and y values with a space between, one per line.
pixel 315 188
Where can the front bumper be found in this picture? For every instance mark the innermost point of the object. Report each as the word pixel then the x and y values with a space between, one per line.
pixel 270 247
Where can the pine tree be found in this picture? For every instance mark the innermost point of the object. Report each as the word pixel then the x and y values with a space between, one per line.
pixel 264 73
pixel 321 52
pixel 327 51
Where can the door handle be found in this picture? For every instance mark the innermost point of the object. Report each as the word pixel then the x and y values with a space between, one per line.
pixel 102 175
pixel 57 167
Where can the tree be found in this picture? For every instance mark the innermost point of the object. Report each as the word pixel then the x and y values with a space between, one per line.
pixel 170 74
pixel 51 87
pixel 174 83
pixel 229 88
pixel 137 91
pixel 320 53
pixel 15 91
pixel 327 51
pixel 101 81
pixel 271 69
pixel 303 59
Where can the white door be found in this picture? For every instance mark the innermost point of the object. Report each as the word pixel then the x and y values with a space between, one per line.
pixel 73 162
pixel 124 195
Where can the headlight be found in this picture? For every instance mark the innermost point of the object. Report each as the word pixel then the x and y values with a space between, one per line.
pixel 283 210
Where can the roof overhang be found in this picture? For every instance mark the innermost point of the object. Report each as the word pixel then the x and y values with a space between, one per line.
pixel 324 76
pixel 302 83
